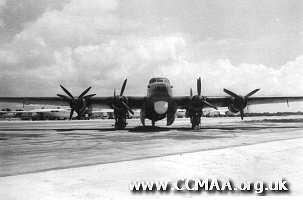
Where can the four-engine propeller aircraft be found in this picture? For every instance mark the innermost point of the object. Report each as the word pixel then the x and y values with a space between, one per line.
pixel 156 105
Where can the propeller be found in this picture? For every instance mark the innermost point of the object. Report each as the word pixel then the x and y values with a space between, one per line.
pixel 120 100
pixel 240 102
pixel 76 103
pixel 198 99
pixel 201 98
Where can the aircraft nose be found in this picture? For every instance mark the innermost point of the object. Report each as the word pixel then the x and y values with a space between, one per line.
pixel 160 107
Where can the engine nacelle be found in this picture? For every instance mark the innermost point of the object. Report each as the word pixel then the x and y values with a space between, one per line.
pixel 118 105
pixel 79 105
pixel 193 111
pixel 232 108
pixel 237 104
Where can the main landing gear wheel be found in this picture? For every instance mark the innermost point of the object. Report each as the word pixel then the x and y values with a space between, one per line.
pixel 195 122
pixel 120 123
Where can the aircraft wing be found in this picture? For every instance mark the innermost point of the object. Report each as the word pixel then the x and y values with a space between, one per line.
pixel 267 100
pixel 216 101
pixel 136 102
pixel 97 102
pixel 106 102
pixel 35 100
pixel 225 101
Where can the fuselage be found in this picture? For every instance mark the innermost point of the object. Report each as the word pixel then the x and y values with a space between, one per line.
pixel 159 102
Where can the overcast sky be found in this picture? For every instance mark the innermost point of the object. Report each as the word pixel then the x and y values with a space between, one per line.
pixel 239 45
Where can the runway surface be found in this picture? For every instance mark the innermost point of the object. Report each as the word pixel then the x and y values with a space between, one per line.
pixel 27 147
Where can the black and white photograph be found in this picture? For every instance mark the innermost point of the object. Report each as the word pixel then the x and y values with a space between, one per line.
pixel 148 99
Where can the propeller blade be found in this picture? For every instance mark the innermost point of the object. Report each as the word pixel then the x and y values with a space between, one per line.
pixel 209 104
pixel 71 114
pixel 67 92
pixel 242 113
pixel 191 92
pixel 123 87
pixel 230 93
pixel 252 92
pixel 88 96
pixel 115 92
pixel 63 97
pixel 84 93
pixel 127 107
pixel 114 107
pixel 199 86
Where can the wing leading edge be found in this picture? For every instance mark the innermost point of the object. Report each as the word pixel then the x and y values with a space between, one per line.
pixel 96 102
pixel 136 102
pixel 225 101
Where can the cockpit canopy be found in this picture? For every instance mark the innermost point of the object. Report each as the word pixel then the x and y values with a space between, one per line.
pixel 159 80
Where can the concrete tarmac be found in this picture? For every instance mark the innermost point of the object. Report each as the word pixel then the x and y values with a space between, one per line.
pixel 90 160
pixel 28 147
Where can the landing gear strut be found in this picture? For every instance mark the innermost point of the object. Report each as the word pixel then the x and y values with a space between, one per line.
pixel 153 123
pixel 120 122
pixel 195 118
pixel 120 118
pixel 195 122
